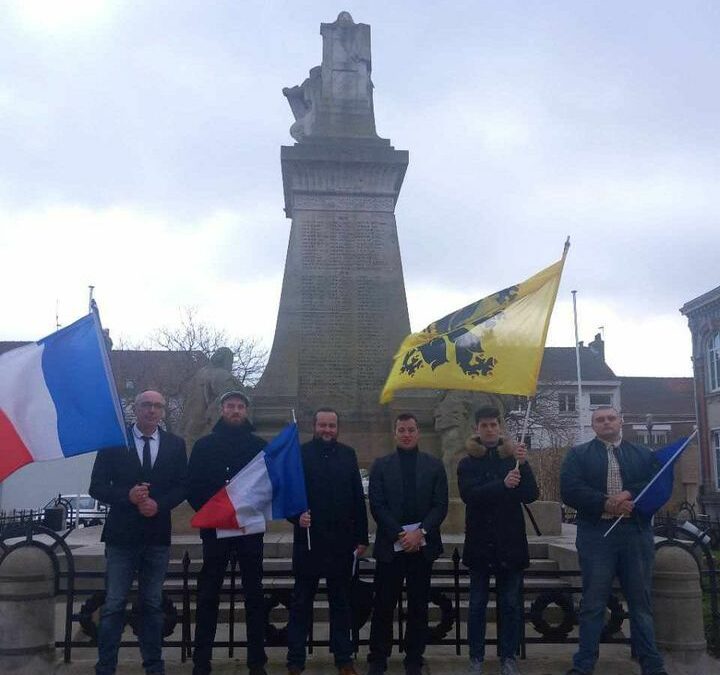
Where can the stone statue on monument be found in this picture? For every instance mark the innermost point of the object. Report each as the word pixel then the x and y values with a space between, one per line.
pixel 336 100
pixel 202 395
pixel 455 422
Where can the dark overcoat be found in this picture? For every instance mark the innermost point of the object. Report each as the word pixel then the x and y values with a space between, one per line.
pixel 495 536
pixel 337 509
pixel 215 459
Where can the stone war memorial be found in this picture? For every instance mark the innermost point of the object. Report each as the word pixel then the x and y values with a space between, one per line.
pixel 342 315
pixel 343 310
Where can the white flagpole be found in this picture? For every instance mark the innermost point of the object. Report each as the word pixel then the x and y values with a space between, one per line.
pixel 526 423
pixel 577 365
pixel 655 477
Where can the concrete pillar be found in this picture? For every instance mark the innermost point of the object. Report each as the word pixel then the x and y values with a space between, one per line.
pixel 27 613
pixel 677 606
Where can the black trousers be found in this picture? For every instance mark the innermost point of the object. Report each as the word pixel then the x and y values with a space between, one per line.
pixel 389 576
pixel 216 554
pixel 338 587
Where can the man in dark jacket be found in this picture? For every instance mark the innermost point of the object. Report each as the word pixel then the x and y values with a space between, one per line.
pixel 142 484
pixel 601 479
pixel 495 480
pixel 409 501
pixel 215 459
pixel 327 536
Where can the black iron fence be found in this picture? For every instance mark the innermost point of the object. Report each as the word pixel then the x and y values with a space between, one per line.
pixel 550 597
pixel 17 518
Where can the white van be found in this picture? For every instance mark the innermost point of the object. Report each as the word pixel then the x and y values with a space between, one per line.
pixel 84 510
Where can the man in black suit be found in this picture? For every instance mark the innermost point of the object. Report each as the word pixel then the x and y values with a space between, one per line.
pixel 409 501
pixel 336 521
pixel 215 459
pixel 142 484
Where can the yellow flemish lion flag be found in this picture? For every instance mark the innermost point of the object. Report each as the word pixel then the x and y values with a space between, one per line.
pixel 495 344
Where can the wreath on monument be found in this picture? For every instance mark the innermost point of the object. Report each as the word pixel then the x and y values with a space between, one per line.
pixel 447 616
pixel 170 617
pixel 89 616
pixel 616 618
pixel 552 631
pixel 274 636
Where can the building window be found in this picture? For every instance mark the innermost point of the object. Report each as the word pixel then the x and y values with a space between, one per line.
pixel 657 440
pixel 716 449
pixel 600 399
pixel 566 403
pixel 713 361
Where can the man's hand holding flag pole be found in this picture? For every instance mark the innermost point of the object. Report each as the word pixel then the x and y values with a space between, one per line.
pixel 659 489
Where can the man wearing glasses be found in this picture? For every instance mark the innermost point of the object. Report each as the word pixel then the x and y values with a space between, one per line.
pixel 142 483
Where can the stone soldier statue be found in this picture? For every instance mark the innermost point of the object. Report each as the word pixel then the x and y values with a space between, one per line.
pixel 337 98
pixel 454 421
pixel 203 392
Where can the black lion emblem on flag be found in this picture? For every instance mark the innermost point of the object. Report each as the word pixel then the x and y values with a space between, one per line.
pixel 469 353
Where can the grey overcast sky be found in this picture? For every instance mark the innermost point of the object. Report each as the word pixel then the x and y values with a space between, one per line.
pixel 140 145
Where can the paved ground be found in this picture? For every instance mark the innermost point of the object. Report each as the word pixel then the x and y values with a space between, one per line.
pixel 543 660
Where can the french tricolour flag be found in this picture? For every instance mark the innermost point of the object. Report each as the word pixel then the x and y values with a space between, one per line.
pixel 57 398
pixel 270 487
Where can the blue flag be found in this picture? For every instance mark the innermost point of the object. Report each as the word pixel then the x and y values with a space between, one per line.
pixel 285 468
pixel 660 488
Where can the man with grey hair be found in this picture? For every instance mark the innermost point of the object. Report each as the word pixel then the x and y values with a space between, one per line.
pixel 142 483
pixel 601 479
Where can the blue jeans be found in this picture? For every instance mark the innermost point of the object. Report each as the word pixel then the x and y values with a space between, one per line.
pixel 341 646
pixel 510 612
pixel 627 552
pixel 122 562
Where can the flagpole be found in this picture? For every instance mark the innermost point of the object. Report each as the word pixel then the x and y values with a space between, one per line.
pixel 526 423
pixel 577 364
pixel 655 477
pixel 307 529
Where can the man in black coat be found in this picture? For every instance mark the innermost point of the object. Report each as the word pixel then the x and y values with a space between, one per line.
pixel 215 459
pixel 601 479
pixel 495 480
pixel 142 484
pixel 409 501
pixel 327 536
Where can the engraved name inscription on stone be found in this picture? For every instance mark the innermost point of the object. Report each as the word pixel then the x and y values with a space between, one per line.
pixel 346 244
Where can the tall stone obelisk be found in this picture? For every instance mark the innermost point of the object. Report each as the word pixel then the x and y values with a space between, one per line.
pixel 343 310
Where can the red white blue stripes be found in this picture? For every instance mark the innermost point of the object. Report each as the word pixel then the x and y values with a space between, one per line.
pixel 57 398
pixel 270 487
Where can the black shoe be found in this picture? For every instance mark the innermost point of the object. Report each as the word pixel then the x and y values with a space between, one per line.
pixel 376 668
pixel 202 670
pixel 257 670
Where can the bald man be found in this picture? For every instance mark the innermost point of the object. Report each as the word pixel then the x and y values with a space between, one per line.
pixel 142 483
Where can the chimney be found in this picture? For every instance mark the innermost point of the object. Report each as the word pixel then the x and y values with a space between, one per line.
pixel 597 346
